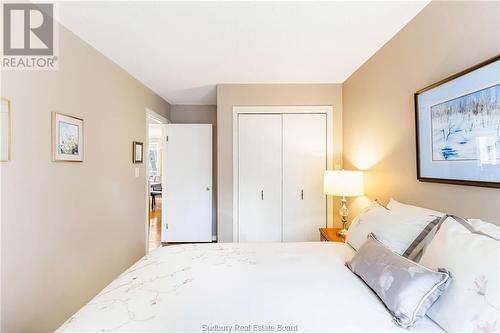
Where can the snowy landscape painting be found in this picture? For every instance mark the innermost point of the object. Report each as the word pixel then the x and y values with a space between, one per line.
pixel 458 127
pixel 467 127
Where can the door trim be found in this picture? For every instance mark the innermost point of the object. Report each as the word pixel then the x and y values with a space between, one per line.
pixel 237 110
pixel 151 116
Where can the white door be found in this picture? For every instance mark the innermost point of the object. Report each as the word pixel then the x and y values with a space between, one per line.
pixel 259 187
pixel 304 162
pixel 187 183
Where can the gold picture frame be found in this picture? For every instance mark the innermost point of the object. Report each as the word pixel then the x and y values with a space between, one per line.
pixel 65 146
pixel 7 122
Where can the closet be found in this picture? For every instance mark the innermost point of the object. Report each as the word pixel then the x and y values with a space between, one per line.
pixel 281 161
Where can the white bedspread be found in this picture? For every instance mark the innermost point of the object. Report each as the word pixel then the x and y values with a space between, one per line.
pixel 217 287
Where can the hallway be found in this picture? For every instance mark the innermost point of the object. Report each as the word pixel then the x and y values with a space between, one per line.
pixel 155 226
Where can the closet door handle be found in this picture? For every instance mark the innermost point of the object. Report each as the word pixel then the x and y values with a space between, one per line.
pixel 301 194
pixel 261 194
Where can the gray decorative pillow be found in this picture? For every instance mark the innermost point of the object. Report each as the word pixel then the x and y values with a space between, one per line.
pixel 407 289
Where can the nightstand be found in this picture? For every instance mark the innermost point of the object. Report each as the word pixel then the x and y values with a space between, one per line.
pixel 330 235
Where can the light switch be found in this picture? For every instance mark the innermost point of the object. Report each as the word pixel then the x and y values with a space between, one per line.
pixel 137 172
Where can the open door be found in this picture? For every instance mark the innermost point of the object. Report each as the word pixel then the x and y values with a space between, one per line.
pixel 187 179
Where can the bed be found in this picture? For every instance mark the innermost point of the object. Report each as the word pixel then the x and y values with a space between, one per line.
pixel 239 287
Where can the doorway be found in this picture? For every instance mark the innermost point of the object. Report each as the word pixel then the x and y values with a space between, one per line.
pixel 155 185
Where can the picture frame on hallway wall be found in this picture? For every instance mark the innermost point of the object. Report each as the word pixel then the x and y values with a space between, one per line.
pixel 67 138
pixel 458 128
pixel 137 152
pixel 5 130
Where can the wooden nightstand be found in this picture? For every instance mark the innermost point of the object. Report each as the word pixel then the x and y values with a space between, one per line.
pixel 330 235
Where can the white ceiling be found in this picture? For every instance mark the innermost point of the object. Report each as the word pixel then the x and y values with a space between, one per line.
pixel 182 50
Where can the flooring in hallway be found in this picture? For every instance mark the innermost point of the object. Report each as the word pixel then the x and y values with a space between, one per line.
pixel 155 226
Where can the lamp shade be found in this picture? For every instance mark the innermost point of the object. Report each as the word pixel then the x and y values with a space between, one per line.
pixel 343 183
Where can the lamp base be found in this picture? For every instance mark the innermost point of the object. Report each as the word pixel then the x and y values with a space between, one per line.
pixel 342 232
pixel 343 213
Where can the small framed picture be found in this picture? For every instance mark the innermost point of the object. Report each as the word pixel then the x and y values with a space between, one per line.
pixel 67 138
pixel 137 152
pixel 5 130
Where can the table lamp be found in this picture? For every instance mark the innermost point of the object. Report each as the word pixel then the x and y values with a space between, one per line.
pixel 343 183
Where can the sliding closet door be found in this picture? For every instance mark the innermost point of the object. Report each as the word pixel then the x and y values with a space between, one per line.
pixel 259 197
pixel 304 162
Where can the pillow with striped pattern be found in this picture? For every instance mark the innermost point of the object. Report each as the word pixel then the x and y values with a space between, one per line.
pixel 402 233
pixel 400 207
pixel 470 249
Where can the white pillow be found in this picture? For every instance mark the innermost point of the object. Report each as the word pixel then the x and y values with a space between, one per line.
pixel 397 231
pixel 472 302
pixel 489 228
pixel 397 206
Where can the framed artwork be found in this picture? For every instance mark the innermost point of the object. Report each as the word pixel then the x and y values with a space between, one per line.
pixel 137 152
pixel 458 128
pixel 67 138
pixel 154 159
pixel 5 130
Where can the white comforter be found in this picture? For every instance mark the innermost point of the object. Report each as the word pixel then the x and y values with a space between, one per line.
pixel 239 288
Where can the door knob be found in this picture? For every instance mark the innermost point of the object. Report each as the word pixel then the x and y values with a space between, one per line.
pixel 208 188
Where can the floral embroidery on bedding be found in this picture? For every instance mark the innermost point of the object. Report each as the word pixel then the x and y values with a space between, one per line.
pixel 480 288
pixel 136 293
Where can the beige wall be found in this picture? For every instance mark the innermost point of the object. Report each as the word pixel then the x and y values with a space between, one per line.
pixel 68 229
pixel 379 121
pixel 229 95
pixel 201 114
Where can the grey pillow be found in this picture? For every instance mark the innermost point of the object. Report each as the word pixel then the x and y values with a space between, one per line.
pixel 407 289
